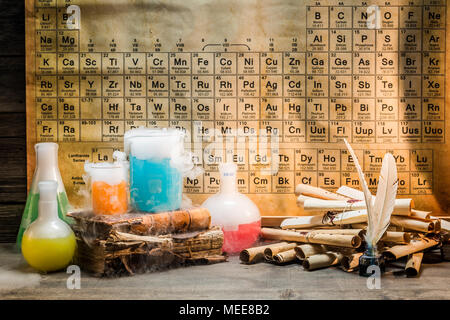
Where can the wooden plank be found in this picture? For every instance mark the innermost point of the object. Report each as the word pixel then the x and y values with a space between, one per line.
pixel 10 216
pixel 12 63
pixel 12 82
pixel 12 186
pixel 12 125
pixel 13 190
pixel 12 35
pixel 12 158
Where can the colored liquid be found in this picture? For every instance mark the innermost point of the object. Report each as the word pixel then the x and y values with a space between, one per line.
pixel 154 185
pixel 30 213
pixel 49 254
pixel 237 240
pixel 109 199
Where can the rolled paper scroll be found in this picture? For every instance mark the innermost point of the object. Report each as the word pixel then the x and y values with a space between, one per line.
pixel 413 224
pixel 358 232
pixel 322 260
pixel 339 240
pixel 435 220
pixel 315 192
pixel 179 221
pixel 420 214
pixel 194 219
pixel 306 250
pixel 285 256
pixel 359 225
pixel 305 222
pixel 402 207
pixel 256 254
pixel 413 264
pixel 301 200
pixel 270 252
pixel 399 251
pixel 391 227
pixel 351 193
pixel 273 221
pixel 351 262
pixel 445 225
pixel 396 237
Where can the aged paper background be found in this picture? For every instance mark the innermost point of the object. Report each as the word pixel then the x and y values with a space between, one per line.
pixel 151 53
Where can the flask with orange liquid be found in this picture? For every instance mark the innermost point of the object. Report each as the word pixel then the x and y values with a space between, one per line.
pixel 108 184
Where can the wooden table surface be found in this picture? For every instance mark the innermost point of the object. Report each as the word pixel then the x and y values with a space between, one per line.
pixel 230 280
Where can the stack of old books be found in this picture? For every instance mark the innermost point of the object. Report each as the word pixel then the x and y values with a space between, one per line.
pixel 137 243
pixel 333 233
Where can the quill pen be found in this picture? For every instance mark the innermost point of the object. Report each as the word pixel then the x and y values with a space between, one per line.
pixel 380 209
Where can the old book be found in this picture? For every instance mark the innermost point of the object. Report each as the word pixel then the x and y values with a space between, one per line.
pixel 123 253
pixel 135 243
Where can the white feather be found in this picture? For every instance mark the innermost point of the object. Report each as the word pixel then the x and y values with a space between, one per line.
pixel 362 179
pixel 378 211
pixel 384 200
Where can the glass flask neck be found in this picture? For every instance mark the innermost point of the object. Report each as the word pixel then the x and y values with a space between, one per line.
pixel 47 165
pixel 46 156
pixel 48 203
pixel 48 211
pixel 228 178
pixel 228 184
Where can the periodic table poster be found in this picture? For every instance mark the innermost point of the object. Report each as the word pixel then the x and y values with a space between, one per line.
pixel 272 85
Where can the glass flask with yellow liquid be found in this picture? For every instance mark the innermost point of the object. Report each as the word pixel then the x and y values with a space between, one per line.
pixel 46 169
pixel 49 243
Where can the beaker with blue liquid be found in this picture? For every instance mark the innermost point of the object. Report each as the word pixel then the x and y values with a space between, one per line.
pixel 156 168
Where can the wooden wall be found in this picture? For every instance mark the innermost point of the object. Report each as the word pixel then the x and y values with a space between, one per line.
pixel 12 118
